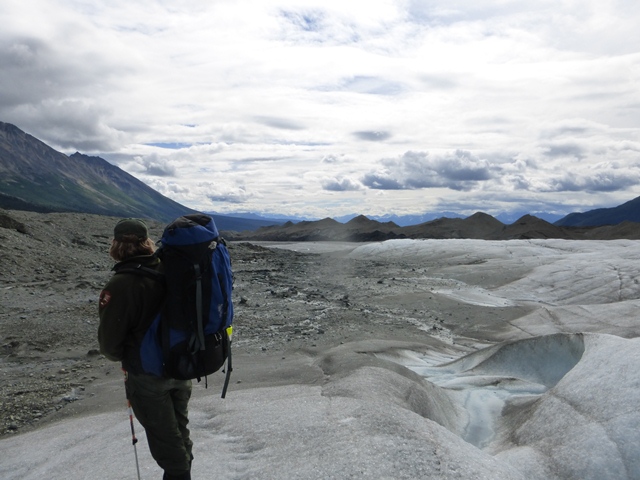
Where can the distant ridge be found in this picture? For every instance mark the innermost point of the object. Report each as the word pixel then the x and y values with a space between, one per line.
pixel 478 226
pixel 529 226
pixel 629 211
pixel 35 177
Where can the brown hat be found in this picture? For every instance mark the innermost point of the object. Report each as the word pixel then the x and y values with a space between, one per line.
pixel 130 227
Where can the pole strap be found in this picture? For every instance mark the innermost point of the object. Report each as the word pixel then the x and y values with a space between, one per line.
pixel 229 365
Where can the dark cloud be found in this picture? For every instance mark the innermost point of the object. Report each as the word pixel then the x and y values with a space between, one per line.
pixel 34 70
pixel 414 170
pixel 277 158
pixel 463 166
pixel 159 167
pixel 372 136
pixel 52 90
pixel 159 171
pixel 382 181
pixel 234 197
pixel 171 145
pixel 70 125
pixel 281 123
pixel 226 198
pixel 231 194
pixel 518 182
pixel 566 130
pixel 22 73
pixel 572 150
pixel 341 185
pixel 609 181
pixel 332 158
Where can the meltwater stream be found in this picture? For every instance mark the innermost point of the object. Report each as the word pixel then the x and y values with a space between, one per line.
pixel 483 382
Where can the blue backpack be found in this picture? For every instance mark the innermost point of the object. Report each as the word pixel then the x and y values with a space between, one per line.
pixel 191 336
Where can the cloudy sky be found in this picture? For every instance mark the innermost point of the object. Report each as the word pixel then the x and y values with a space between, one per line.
pixel 329 107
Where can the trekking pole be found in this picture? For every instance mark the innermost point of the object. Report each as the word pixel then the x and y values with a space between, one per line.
pixel 134 440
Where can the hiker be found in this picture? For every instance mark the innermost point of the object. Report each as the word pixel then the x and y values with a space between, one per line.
pixel 128 305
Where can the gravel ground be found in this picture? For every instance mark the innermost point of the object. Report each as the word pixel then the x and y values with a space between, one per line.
pixel 287 303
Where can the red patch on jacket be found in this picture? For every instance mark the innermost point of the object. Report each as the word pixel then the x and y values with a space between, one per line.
pixel 105 298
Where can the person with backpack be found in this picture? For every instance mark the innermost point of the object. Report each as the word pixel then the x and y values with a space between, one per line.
pixel 129 304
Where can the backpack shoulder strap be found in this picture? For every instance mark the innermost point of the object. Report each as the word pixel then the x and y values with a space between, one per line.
pixel 140 269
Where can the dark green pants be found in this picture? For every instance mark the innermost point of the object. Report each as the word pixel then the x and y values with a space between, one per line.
pixel 161 407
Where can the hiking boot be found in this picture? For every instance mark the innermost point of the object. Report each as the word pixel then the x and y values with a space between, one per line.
pixel 181 476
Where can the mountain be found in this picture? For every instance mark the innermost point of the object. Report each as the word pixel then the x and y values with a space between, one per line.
pixel 356 230
pixel 35 177
pixel 529 226
pixel 515 215
pixel 325 229
pixel 478 226
pixel 403 220
pixel 410 220
pixel 629 211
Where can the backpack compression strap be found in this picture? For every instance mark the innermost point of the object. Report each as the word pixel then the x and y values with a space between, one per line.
pixel 197 343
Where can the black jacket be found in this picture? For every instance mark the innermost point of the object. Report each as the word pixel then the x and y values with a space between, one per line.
pixel 128 304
